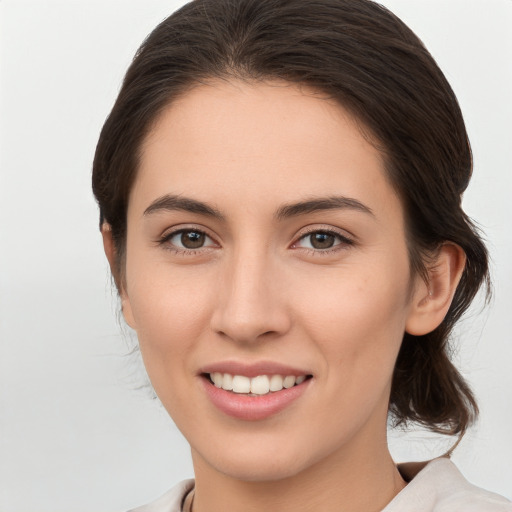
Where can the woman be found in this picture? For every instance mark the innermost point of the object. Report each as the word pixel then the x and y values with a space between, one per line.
pixel 279 186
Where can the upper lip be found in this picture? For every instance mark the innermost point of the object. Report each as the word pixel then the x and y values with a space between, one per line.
pixel 253 369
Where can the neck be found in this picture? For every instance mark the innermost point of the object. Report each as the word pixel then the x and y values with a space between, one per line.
pixel 338 483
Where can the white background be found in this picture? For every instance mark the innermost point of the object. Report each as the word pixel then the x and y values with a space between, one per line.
pixel 75 433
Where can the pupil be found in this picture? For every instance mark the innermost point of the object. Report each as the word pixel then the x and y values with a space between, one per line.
pixel 322 240
pixel 192 239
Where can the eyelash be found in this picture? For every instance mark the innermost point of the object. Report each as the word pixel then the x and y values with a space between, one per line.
pixel 165 241
pixel 343 242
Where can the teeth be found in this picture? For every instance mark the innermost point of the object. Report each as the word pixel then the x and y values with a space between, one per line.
pixel 276 383
pixel 289 381
pixel 260 385
pixel 227 382
pixel 241 384
pixel 217 379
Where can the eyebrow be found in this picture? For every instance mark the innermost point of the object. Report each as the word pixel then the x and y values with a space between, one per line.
pixel 321 204
pixel 171 202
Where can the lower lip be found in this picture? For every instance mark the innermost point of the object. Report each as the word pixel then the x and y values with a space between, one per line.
pixel 253 408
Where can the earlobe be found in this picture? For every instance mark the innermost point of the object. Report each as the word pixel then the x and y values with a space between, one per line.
pixel 108 245
pixel 110 253
pixel 432 299
pixel 127 311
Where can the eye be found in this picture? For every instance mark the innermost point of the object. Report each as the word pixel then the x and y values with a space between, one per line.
pixel 188 239
pixel 322 240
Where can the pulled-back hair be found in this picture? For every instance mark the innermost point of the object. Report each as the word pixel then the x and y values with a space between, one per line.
pixel 363 56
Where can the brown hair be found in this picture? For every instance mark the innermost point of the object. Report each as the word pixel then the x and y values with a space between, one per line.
pixel 363 56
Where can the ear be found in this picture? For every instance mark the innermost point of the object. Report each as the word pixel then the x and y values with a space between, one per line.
pixel 110 252
pixel 109 247
pixel 432 299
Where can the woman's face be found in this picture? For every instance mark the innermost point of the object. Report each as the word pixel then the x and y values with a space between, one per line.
pixel 264 241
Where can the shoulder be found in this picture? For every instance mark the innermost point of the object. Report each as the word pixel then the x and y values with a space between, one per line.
pixel 171 501
pixel 438 486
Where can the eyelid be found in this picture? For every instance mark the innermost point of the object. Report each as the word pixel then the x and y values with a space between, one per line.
pixel 345 239
pixel 324 228
pixel 170 232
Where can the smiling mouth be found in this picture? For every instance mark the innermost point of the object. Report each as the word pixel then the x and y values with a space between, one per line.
pixel 256 386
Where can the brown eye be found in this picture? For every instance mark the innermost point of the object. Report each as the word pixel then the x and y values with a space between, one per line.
pixel 188 239
pixel 322 240
pixel 192 239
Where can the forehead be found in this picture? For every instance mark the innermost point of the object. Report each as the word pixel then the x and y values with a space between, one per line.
pixel 245 142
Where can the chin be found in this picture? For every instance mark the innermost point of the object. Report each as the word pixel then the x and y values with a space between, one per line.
pixel 259 471
pixel 259 462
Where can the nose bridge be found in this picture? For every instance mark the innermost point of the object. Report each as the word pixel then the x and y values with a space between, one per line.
pixel 250 302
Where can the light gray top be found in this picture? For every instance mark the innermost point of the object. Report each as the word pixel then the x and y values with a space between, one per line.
pixel 437 486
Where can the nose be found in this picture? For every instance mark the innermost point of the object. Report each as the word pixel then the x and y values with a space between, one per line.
pixel 252 302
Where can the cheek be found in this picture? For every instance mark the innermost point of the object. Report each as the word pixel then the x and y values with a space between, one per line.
pixel 170 309
pixel 359 323
pixel 358 332
pixel 171 318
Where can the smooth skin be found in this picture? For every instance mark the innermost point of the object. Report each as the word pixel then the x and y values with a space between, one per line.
pixel 326 290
